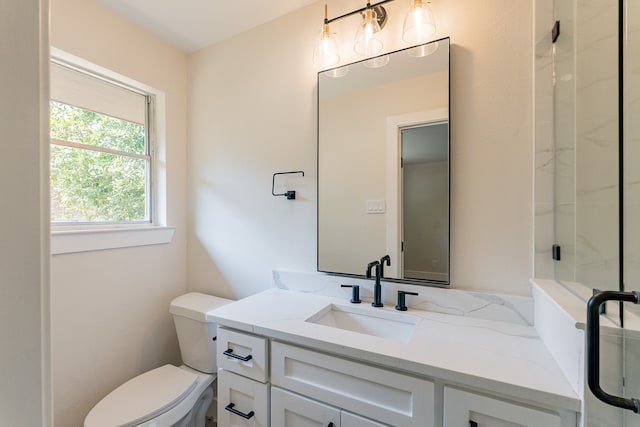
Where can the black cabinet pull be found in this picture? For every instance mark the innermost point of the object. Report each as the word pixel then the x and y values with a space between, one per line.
pixel 230 406
pixel 330 425
pixel 230 353
pixel 593 347
pixel 473 423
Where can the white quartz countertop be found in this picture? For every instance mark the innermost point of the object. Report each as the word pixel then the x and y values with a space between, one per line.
pixel 503 358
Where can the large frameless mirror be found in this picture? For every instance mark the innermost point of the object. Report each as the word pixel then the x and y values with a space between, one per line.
pixel 383 165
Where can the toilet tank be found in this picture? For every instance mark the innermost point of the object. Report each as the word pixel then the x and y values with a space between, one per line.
pixel 196 333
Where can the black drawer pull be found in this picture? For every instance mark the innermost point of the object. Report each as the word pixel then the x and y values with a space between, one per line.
pixel 230 406
pixel 473 423
pixel 230 353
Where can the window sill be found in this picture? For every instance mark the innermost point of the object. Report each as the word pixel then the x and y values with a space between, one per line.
pixel 73 241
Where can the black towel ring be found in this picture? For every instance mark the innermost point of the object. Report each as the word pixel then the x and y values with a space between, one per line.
pixel 291 194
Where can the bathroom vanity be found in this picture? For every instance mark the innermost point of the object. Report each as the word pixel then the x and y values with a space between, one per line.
pixel 291 359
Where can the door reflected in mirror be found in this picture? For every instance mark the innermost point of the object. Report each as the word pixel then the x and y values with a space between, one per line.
pixel 425 199
pixel 383 165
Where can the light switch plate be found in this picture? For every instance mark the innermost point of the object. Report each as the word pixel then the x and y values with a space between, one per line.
pixel 376 206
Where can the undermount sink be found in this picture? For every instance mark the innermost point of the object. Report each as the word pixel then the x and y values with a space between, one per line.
pixel 367 320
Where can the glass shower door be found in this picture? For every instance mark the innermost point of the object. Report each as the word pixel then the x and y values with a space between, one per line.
pixel 618 364
pixel 630 17
pixel 596 198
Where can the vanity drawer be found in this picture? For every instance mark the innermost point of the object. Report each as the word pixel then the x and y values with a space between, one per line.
pixel 241 401
pixel 382 395
pixel 243 354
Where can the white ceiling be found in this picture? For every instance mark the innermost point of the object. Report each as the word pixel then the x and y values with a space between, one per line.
pixel 191 25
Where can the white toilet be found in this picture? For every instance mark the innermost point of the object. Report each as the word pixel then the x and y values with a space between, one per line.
pixel 170 396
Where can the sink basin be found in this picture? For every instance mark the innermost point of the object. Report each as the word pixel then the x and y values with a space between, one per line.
pixel 367 320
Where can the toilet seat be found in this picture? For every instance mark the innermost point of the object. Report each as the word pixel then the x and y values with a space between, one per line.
pixel 143 397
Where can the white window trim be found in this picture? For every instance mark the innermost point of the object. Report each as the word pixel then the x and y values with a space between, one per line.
pixel 67 239
pixel 74 241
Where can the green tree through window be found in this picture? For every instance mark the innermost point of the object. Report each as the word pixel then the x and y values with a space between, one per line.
pixel 99 167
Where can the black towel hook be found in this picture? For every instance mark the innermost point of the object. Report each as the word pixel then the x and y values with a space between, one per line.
pixel 291 194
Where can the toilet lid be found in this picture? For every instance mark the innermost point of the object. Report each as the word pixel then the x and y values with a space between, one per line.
pixel 142 398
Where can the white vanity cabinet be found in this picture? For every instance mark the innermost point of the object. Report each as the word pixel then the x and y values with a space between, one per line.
pixel 264 382
pixel 292 410
pixel 243 390
pixel 463 408
pixel 388 397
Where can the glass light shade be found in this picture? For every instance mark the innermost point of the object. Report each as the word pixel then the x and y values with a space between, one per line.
pixel 423 50
pixel 325 54
pixel 368 42
pixel 419 24
pixel 377 62
pixel 338 72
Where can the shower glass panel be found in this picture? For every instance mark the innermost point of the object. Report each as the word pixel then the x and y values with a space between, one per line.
pixel 594 162
pixel 631 203
pixel 631 147
pixel 586 135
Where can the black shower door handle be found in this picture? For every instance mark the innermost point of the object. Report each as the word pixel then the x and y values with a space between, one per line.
pixel 593 347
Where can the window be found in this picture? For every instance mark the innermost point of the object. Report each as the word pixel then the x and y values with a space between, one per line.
pixel 101 150
pixel 107 131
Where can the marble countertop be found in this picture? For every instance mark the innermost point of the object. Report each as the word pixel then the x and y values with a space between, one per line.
pixel 503 358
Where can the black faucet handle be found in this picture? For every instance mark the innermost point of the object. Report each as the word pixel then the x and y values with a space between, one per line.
pixel 402 302
pixel 355 293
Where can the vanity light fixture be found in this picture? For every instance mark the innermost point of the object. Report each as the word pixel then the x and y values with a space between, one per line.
pixel 419 26
pixel 325 53
pixel 368 42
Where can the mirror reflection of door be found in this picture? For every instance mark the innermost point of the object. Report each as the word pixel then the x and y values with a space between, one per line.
pixel 425 199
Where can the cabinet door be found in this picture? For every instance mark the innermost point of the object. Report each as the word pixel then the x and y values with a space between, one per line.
pixel 464 409
pixel 241 402
pixel 292 410
pixel 348 419
pixel 382 395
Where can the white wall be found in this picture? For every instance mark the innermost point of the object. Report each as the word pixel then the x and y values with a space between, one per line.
pixel 25 377
pixel 252 112
pixel 110 318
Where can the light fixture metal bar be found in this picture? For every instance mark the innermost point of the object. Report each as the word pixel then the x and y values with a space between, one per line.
pixel 329 21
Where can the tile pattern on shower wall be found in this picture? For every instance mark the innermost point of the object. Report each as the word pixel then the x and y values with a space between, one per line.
pixel 599 413
pixel 565 140
pixel 632 150
pixel 596 144
pixel 543 139
pixel 632 374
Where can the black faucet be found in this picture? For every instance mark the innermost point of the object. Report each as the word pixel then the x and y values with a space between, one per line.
pixel 384 259
pixel 377 289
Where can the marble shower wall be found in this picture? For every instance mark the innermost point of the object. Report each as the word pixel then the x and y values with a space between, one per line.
pixel 632 149
pixel 555 140
pixel 555 118
pixel 596 156
pixel 577 142
pixel 544 139
pixel 632 198
pixel 564 153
